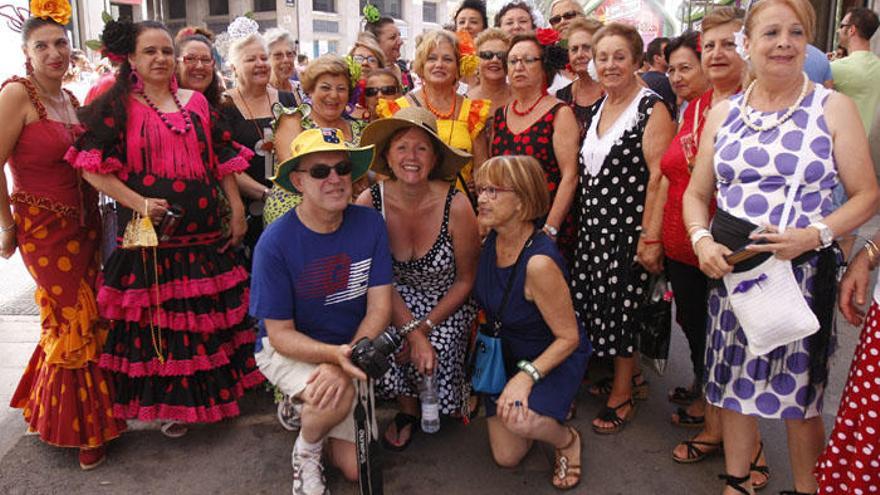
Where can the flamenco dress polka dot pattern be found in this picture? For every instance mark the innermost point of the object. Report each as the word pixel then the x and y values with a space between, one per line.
pixel 752 172
pixel 537 141
pixel 194 295
pixel 65 397
pixel 607 287
pixel 851 461
pixel 422 283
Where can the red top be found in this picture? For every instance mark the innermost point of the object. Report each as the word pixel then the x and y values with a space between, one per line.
pixel 674 166
pixel 37 164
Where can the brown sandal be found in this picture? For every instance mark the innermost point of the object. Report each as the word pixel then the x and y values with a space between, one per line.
pixel 567 476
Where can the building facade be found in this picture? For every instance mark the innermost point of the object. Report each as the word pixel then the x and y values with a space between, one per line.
pixel 321 26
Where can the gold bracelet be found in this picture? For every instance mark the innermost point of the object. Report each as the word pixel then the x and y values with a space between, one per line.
pixel 873 252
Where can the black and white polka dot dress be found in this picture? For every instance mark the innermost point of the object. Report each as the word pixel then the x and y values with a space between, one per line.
pixel 422 283
pixel 607 285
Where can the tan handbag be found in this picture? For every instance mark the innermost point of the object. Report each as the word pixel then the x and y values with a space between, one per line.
pixel 139 232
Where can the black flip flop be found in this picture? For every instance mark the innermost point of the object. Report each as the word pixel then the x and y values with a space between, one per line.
pixel 401 420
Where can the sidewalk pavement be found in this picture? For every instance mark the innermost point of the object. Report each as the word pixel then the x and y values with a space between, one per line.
pixel 251 454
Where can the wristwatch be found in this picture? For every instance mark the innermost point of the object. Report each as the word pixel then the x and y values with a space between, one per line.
pixel 826 236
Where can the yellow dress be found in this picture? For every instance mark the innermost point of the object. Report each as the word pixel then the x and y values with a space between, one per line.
pixel 459 132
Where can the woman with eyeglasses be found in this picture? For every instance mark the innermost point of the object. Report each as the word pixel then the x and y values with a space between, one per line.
pixel 545 346
pixel 388 36
pixel 368 55
pixel 195 67
pixel 327 81
pixel 562 12
pixel 491 47
pixel 282 59
pixel 584 91
pixel 515 18
pixel 538 125
pixel 460 120
pixel 248 109
pixel 381 84
pixel 434 241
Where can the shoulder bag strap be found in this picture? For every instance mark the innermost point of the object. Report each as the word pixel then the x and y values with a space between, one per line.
pixel 496 321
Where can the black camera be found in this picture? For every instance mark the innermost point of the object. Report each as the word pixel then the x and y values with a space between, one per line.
pixel 372 356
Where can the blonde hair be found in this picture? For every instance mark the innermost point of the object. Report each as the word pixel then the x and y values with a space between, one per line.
pixel 327 64
pixel 492 34
pixel 586 24
pixel 429 41
pixel 369 42
pixel 525 176
pixel 237 47
pixel 721 16
pixel 803 9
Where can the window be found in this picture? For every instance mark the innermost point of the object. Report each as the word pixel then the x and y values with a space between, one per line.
pixel 218 7
pixel 390 8
pixel 429 12
pixel 333 47
pixel 324 5
pixel 121 11
pixel 264 5
pixel 322 26
pixel 176 9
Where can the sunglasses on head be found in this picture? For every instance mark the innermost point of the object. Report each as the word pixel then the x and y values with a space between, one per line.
pixel 488 55
pixel 385 90
pixel 322 171
pixel 556 19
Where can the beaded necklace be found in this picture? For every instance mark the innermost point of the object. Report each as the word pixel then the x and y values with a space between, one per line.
pixel 523 113
pixel 186 119
pixel 437 113
pixel 787 115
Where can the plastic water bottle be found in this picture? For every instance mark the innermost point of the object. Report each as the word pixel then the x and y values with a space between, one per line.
pixel 430 404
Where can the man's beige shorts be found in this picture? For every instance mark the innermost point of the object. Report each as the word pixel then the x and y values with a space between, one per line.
pixel 290 377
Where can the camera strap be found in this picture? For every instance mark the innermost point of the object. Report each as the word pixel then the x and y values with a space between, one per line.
pixel 366 441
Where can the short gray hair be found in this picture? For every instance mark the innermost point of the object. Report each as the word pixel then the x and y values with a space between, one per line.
pixel 274 35
pixel 237 46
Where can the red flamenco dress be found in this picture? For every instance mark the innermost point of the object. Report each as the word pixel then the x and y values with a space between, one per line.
pixel 181 342
pixel 65 396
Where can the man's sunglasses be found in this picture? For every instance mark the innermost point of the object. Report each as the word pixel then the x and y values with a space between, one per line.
pixel 385 90
pixel 556 19
pixel 322 171
pixel 487 55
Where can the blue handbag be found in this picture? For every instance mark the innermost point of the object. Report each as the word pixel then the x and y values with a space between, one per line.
pixel 489 375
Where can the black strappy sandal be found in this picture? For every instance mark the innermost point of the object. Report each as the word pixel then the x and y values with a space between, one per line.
pixel 401 420
pixel 695 454
pixel 602 388
pixel 736 482
pixel 685 420
pixel 765 470
pixel 609 415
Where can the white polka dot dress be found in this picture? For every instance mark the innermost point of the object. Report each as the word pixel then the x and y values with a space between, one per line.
pixel 851 461
pixel 607 286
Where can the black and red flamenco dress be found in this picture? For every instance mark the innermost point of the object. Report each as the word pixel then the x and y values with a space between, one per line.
pixel 181 343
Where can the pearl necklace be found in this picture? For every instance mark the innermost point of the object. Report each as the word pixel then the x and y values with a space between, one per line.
pixel 787 115
pixel 186 119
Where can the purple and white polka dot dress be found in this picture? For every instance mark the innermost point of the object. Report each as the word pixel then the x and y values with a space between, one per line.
pixel 753 170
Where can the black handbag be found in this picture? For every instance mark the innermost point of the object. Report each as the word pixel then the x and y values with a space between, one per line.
pixel 656 318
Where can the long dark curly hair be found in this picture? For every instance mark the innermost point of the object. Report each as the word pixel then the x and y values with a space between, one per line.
pixel 214 92
pixel 106 117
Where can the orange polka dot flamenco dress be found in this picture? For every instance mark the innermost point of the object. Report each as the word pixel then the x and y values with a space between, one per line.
pixel 65 396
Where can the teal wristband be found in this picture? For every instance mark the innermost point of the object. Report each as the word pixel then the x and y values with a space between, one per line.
pixel 528 368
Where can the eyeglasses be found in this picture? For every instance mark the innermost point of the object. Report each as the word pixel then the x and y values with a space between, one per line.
pixel 322 171
pixel 492 191
pixel 385 90
pixel 524 60
pixel 556 19
pixel 193 60
pixel 361 59
pixel 489 55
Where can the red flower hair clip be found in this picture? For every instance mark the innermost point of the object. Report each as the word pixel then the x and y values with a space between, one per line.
pixel 547 36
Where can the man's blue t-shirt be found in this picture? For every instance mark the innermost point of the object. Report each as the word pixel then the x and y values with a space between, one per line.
pixel 320 281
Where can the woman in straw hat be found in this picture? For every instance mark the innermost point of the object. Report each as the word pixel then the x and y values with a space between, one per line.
pixel 434 245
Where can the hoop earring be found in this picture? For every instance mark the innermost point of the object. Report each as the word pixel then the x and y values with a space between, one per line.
pixel 28 67
pixel 137 84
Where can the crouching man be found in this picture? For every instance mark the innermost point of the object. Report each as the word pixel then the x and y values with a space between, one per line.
pixel 321 281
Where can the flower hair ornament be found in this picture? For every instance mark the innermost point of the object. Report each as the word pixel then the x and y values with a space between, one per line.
pixel 555 55
pixel 116 41
pixel 468 63
pixel 56 10
pixel 357 84
pixel 371 13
